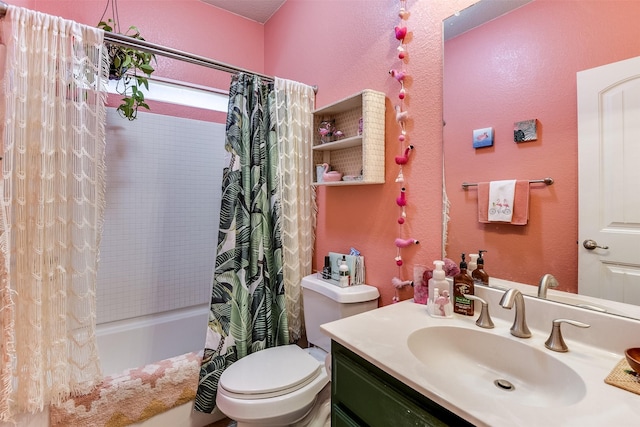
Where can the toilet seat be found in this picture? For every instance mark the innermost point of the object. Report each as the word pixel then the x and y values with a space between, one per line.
pixel 270 373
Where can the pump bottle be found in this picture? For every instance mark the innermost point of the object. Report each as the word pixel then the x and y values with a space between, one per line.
pixel 479 275
pixel 439 304
pixel 462 285
pixel 472 265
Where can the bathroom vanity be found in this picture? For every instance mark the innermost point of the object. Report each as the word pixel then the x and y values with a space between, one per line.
pixel 363 393
pixel 399 366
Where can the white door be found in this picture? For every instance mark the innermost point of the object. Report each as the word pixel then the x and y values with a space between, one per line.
pixel 609 181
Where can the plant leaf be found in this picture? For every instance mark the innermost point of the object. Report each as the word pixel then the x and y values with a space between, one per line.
pixel 144 82
pixel 147 69
pixel 105 26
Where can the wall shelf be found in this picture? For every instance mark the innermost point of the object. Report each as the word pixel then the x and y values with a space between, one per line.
pixel 361 151
pixel 353 141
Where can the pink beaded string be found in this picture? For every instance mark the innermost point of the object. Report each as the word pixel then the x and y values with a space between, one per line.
pixel 402 116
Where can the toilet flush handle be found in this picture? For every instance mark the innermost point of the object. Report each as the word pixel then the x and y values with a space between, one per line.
pixel 327 364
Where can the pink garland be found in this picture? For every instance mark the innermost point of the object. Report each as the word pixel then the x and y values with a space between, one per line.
pixel 402 116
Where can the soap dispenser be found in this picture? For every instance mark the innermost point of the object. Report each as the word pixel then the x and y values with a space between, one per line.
pixel 439 304
pixel 479 275
pixel 463 285
pixel 473 264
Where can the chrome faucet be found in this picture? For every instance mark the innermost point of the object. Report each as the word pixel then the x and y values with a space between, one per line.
pixel 519 328
pixel 547 281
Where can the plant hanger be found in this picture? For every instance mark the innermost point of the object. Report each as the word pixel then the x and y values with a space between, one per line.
pixel 129 67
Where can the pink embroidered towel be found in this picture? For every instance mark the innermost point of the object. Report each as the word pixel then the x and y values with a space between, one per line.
pixel 501 195
pixel 520 203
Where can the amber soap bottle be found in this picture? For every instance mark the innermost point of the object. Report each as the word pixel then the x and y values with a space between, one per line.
pixel 479 275
pixel 462 285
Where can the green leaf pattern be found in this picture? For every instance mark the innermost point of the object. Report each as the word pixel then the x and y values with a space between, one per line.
pixel 248 311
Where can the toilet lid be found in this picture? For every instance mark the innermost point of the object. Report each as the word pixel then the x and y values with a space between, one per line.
pixel 270 372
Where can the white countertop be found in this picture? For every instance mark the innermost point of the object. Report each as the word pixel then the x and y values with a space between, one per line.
pixel 380 336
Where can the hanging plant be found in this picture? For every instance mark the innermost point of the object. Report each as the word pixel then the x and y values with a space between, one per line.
pixel 131 68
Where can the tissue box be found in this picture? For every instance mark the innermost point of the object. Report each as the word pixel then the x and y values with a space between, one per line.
pixel 355 264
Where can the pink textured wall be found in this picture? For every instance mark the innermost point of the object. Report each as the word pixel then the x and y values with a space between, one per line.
pixel 343 47
pixel 517 68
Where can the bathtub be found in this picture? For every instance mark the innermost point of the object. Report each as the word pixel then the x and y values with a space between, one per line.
pixel 143 340
pixel 140 341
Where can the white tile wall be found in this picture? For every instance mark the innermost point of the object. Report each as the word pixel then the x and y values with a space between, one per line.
pixel 164 177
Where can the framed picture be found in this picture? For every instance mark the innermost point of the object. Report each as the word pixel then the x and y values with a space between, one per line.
pixel 525 131
pixel 483 137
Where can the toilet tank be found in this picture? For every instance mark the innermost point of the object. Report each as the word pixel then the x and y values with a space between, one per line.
pixel 325 302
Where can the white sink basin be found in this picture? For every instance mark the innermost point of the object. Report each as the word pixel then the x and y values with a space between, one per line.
pixel 495 367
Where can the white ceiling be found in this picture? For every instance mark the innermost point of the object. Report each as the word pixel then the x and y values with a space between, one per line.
pixel 478 14
pixel 471 17
pixel 256 10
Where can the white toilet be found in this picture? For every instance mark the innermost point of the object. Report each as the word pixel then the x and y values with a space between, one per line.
pixel 279 386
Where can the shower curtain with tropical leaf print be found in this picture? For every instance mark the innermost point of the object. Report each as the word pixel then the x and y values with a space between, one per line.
pixel 248 307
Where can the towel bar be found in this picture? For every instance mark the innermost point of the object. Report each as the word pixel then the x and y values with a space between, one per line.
pixel 547 181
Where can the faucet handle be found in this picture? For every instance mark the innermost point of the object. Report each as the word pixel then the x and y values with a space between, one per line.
pixel 484 320
pixel 555 341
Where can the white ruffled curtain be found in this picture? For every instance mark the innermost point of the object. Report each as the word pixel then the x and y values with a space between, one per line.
pixel 52 208
pixel 294 130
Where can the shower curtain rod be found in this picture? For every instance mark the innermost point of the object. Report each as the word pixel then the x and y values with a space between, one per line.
pixel 169 52
pixel 180 55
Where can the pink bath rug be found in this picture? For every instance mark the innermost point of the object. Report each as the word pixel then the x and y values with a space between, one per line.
pixel 133 396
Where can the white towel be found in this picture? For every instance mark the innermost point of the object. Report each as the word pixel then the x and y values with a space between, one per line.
pixel 501 200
